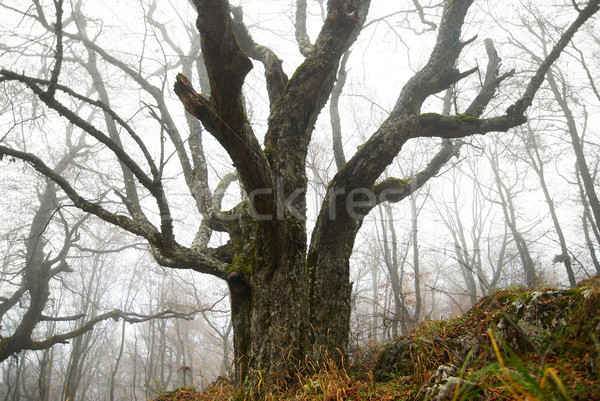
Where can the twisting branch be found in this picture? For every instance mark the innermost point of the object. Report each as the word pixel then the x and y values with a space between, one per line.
pixel 334 113
pixel 223 114
pixel 59 49
pixel 113 114
pixel 395 190
pixel 419 7
pixel 438 74
pixel 169 255
pixel 274 74
pixel 517 110
pixel 302 38
pixel 84 125
pixel 154 187
pixel 435 125
pixel 147 231
pixel 155 92
pixel 8 344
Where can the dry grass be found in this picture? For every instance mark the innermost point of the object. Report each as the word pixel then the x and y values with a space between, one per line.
pixel 569 368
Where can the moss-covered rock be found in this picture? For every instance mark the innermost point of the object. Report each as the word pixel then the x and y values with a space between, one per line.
pixel 566 321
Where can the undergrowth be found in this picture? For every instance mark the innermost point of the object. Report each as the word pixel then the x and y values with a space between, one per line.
pixel 565 367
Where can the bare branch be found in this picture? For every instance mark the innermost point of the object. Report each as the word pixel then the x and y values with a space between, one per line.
pixel 394 189
pixel 274 74
pixel 517 110
pixel 301 35
pixel 145 230
pixel 59 49
pixel 431 25
pixel 129 317
pixel 61 318
pixel 334 112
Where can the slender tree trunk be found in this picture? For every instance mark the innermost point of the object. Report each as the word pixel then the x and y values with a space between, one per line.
pixel 45 374
pixel 585 218
pixel 416 267
pixel 535 161
pixel 115 369
pixel 586 177
pixel 226 363
pixel 16 396
pixel 508 209
pixel 374 302
pixel 395 268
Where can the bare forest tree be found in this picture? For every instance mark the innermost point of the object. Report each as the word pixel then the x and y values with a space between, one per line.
pixel 290 294
pixel 566 104
pixel 38 269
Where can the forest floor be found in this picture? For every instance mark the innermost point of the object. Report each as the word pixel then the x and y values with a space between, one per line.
pixel 558 364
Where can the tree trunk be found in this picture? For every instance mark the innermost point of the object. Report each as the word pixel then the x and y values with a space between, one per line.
pixel 576 142
pixel 506 201
pixel 415 243
pixel 535 161
pixel 591 245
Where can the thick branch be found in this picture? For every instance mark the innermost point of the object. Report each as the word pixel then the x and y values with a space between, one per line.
pixel 241 144
pixel 293 118
pixel 439 73
pixel 223 115
pixel 59 49
pixel 334 113
pixel 61 318
pixel 302 38
pixel 274 74
pixel 394 189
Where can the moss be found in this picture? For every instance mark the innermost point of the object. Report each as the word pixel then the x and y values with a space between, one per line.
pixel 510 298
pixel 428 119
pixel 465 118
pixel 122 220
pixel 271 151
pixel 397 183
pixel 243 257
pixel 239 265
pixel 575 291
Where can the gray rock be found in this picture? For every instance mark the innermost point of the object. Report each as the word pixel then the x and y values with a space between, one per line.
pixel 443 385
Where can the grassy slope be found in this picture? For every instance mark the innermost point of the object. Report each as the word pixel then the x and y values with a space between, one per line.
pixel 563 365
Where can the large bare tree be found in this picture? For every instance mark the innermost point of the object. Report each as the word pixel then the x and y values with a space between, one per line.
pixel 290 294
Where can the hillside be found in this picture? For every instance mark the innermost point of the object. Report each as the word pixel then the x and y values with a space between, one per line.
pixel 514 344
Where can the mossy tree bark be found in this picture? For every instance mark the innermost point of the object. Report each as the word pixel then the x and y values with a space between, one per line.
pixel 299 296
